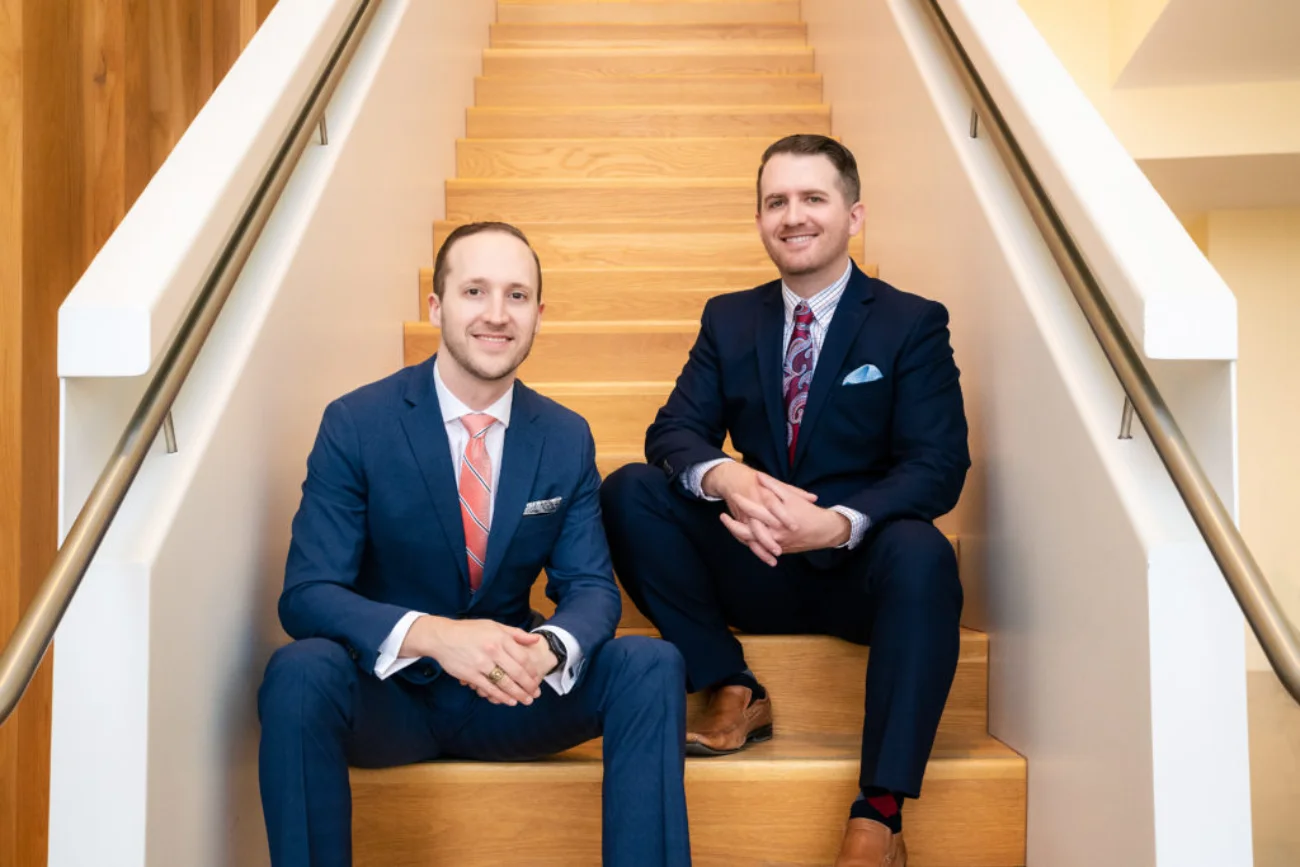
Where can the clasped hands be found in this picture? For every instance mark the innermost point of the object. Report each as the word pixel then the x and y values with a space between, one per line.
pixel 770 517
pixel 469 650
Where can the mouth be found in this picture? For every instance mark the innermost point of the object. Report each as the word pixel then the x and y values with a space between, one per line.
pixel 798 241
pixel 494 341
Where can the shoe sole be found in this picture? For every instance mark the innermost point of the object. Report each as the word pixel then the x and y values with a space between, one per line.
pixel 757 736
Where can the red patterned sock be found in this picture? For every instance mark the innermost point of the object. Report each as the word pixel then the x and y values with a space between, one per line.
pixel 882 805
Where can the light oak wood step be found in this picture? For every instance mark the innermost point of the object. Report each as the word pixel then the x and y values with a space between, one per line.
pixel 772 121
pixel 651 90
pixel 779 803
pixel 668 245
pixel 627 293
pixel 587 351
pixel 624 157
pixel 551 12
pixel 523 122
pixel 597 62
pixel 752 34
pixel 618 412
pixel 701 202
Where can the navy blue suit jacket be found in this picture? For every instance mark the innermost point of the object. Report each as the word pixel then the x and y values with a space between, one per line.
pixel 379 533
pixel 892 448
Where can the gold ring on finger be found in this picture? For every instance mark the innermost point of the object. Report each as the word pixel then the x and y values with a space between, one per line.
pixel 496 675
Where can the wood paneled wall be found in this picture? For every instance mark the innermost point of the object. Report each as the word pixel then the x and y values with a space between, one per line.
pixel 93 96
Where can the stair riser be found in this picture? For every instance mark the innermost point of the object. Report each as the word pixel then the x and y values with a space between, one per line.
pixel 649 35
pixel 777 90
pixel 623 246
pixel 973 820
pixel 611 158
pixel 596 64
pixel 686 13
pixel 618 295
pixel 640 122
pixel 579 357
pixel 699 204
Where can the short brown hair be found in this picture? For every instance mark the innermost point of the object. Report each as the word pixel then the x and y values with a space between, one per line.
pixel 440 261
pixel 811 145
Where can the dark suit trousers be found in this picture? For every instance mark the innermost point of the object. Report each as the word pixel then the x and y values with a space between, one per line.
pixel 320 713
pixel 897 592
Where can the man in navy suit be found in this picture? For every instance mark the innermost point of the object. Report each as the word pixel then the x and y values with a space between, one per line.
pixel 433 499
pixel 842 397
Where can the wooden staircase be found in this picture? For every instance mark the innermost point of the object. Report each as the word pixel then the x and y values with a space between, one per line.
pixel 623 137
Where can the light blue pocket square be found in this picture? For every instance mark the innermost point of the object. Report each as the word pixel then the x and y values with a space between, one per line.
pixel 865 373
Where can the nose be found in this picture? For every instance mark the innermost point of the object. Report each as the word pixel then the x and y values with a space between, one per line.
pixel 793 213
pixel 496 310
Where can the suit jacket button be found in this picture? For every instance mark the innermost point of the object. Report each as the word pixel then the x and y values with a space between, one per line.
pixel 352 652
pixel 426 670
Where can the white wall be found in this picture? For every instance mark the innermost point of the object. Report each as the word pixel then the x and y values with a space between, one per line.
pixel 1116 651
pixel 155 731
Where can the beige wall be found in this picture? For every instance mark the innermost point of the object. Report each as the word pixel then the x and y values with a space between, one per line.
pixel 1258 254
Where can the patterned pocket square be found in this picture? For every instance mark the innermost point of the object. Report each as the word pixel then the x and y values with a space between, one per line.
pixel 865 373
pixel 542 507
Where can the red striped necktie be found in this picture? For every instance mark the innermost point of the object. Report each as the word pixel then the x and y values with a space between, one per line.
pixel 476 493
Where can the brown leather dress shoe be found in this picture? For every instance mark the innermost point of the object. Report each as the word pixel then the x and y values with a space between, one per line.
pixel 730 723
pixel 871 844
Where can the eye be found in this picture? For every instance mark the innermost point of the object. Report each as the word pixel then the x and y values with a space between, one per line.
pixel 774 203
pixel 817 200
pixel 519 296
pixel 473 290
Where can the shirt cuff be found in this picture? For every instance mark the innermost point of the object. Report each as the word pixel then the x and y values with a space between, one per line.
pixel 693 478
pixel 858 524
pixel 388 662
pixel 562 679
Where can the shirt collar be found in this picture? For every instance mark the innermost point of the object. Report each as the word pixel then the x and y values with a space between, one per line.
pixel 453 407
pixel 821 300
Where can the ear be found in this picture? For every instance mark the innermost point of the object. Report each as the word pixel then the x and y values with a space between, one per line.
pixel 537 326
pixel 435 311
pixel 857 216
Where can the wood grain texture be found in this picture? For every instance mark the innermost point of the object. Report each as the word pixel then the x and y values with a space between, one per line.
pixel 549 12
pixel 81 86
pixel 632 244
pixel 592 351
pixel 625 157
pixel 586 63
pixel 652 34
pixel 783 802
pixel 651 90
pixel 640 121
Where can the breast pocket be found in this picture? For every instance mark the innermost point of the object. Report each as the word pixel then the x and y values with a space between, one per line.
pixel 864 409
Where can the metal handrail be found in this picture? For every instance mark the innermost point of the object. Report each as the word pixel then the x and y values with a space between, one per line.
pixel 1275 633
pixel 31 639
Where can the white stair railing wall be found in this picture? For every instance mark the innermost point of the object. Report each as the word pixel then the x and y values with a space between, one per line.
pixel 1117 660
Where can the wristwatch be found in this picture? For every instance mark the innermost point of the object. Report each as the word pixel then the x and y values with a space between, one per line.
pixel 557 647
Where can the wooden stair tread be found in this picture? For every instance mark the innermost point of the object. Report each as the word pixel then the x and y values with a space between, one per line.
pixel 970 755
pixel 587 63
pixel 724 32
pixel 654 11
pixel 507 90
pixel 612 157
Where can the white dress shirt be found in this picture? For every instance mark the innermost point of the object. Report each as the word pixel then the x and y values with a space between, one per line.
pixel 823 306
pixel 389 663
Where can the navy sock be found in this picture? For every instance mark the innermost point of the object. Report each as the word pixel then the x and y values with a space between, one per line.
pixel 882 805
pixel 745 678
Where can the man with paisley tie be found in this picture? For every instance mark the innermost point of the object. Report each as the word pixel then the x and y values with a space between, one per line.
pixel 842 397
pixel 433 500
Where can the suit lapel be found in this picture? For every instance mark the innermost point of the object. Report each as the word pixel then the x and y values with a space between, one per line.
pixel 850 313
pixel 427 435
pixel 771 319
pixel 520 456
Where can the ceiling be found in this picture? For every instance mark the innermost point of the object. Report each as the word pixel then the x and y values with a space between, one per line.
pixel 1218 42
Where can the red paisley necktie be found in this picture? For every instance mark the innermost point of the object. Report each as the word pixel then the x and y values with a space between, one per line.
pixel 797 373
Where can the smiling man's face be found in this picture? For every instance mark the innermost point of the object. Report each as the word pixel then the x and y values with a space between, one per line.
pixel 805 221
pixel 489 312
